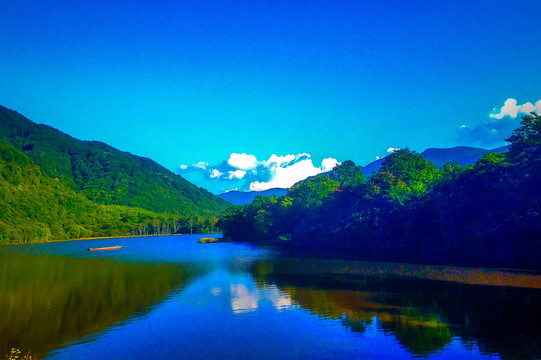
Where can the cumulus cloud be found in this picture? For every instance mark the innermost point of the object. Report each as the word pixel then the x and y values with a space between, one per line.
pixel 296 170
pixel 392 150
pixel 201 165
pixel 248 173
pixel 279 160
pixel 512 109
pixel 500 123
pixel 242 161
pixel 237 174
pixel 328 164
pixel 215 174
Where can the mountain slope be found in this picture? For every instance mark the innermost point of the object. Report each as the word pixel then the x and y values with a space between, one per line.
pixel 36 207
pixel 465 155
pixel 104 174
pixel 245 197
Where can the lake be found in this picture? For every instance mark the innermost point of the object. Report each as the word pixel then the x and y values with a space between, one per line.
pixel 167 297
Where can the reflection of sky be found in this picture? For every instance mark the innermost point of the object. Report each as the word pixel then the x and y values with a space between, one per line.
pixel 245 300
pixel 225 315
pixel 235 292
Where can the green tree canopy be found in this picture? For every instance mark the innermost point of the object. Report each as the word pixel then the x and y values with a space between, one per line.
pixel 526 140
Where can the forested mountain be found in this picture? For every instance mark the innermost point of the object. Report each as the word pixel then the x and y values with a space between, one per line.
pixel 484 213
pixel 56 187
pixel 464 155
pixel 104 174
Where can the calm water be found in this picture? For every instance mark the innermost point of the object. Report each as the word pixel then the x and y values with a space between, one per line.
pixel 170 298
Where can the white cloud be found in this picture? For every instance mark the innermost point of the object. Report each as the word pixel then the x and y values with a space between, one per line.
pixel 237 174
pixel 529 108
pixel 215 174
pixel 279 160
pixel 512 109
pixel 247 173
pixel 201 165
pixel 500 123
pixel 392 150
pixel 328 164
pixel 294 171
pixel 242 161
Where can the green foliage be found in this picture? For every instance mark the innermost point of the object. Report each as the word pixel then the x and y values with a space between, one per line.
pixel 411 173
pixel 54 187
pixel 491 209
pixel 104 174
pixel 348 174
pixel 15 354
pixel 36 208
pixel 526 140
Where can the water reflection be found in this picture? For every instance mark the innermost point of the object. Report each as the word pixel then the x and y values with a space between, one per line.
pixel 229 301
pixel 48 300
pixel 244 300
pixel 424 316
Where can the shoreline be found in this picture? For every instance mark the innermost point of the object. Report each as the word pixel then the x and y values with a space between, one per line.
pixel 100 238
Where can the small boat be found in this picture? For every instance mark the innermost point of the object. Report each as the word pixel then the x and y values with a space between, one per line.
pixel 106 248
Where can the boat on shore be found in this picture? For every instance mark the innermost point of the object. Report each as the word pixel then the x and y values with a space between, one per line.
pixel 105 248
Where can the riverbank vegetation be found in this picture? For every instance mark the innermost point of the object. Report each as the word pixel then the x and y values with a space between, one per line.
pixel 485 212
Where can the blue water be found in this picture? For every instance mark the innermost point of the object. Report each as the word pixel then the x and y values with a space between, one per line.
pixel 228 310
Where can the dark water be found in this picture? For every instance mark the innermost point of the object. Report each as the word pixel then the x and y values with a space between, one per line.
pixel 170 298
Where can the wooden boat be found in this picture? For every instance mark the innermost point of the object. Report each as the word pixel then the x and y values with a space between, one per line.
pixel 106 248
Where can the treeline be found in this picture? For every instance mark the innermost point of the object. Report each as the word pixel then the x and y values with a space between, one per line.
pixel 486 211
pixel 35 207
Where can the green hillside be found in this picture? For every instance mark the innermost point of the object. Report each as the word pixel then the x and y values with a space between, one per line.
pixel 36 207
pixel 53 186
pixel 104 174
pixel 488 212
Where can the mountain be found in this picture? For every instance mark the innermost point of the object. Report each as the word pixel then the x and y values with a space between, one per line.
pixel 53 186
pixel 36 207
pixel 439 156
pixel 104 174
pixel 245 197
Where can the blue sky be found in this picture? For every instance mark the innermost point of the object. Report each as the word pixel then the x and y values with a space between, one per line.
pixel 187 82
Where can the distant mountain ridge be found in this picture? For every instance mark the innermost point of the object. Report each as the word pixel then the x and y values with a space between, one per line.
pixel 439 156
pixel 104 174
pixel 244 197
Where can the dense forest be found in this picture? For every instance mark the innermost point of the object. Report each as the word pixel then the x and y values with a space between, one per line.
pixel 489 211
pixel 56 187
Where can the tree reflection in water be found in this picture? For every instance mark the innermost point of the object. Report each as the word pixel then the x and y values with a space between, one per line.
pixel 48 300
pixel 424 316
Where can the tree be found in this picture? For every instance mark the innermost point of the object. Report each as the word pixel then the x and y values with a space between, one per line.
pixel 410 169
pixel 348 174
pixel 526 140
pixel 409 166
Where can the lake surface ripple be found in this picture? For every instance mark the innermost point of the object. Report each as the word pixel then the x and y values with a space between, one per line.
pixel 169 297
